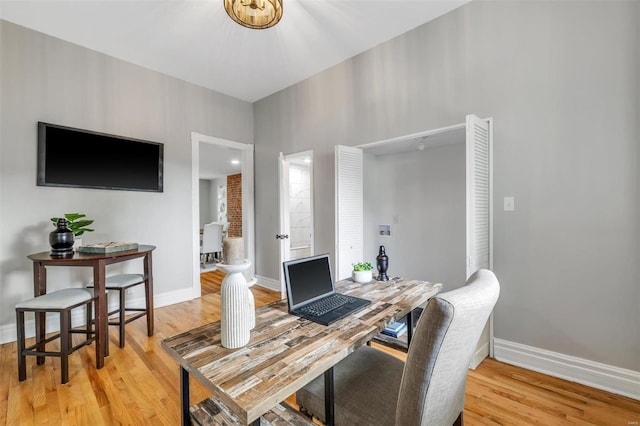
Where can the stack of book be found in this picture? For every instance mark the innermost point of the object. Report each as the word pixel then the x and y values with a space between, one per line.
pixel 395 329
pixel 105 248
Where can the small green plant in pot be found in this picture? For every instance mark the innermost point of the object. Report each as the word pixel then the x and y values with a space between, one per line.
pixel 362 272
pixel 76 222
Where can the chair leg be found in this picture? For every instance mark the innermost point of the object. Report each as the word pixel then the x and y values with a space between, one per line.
pixel 122 315
pixel 460 420
pixel 22 359
pixel 65 325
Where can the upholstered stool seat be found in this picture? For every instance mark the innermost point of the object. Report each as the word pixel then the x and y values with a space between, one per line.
pixel 63 302
pixel 121 283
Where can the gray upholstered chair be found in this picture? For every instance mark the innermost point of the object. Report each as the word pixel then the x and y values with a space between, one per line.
pixel 374 388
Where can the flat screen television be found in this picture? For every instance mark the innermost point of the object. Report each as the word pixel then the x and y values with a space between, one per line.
pixel 85 159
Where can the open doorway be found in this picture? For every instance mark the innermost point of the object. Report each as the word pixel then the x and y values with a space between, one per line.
pixel 429 200
pixel 220 208
pixel 296 207
pixel 222 195
pixel 414 204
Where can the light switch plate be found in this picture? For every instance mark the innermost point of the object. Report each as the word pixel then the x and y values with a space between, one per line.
pixel 509 204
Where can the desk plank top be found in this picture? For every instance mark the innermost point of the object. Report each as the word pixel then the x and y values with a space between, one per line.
pixel 286 352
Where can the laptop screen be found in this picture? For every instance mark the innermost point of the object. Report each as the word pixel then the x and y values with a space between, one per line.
pixel 307 279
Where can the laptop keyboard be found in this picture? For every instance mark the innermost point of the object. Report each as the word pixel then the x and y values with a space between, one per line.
pixel 322 306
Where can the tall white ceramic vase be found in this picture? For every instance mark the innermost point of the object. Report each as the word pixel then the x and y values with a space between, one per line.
pixel 237 306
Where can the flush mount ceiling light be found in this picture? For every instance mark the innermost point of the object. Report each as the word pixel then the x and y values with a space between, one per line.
pixel 256 14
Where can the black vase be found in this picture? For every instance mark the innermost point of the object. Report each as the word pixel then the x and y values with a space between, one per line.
pixel 382 261
pixel 61 240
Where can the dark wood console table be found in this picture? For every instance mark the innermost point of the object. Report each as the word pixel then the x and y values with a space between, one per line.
pixel 98 262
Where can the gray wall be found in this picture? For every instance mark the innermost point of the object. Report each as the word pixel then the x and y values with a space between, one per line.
pixel 422 196
pixel 46 79
pixel 561 81
pixel 207 200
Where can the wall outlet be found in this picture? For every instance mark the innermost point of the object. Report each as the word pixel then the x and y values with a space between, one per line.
pixel 509 204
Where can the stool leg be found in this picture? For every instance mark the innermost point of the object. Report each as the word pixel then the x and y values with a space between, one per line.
pixel 22 359
pixel 88 321
pixel 41 320
pixel 122 315
pixel 65 324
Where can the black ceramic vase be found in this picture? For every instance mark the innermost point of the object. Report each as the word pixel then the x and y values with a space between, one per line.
pixel 61 240
pixel 382 261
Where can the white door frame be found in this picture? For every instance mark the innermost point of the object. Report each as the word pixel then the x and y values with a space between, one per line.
pixel 412 136
pixel 248 219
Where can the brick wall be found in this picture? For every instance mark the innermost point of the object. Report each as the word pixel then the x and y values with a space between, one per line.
pixel 234 205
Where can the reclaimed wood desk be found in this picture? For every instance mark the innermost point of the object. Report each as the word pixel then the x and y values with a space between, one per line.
pixel 98 262
pixel 286 352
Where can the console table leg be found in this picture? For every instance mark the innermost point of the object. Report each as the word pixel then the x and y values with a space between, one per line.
pixel 328 397
pixel 184 397
pixel 40 288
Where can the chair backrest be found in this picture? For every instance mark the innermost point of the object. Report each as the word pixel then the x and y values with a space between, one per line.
pixel 212 238
pixel 225 226
pixel 445 339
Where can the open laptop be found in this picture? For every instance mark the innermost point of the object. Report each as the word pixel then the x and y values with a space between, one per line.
pixel 311 292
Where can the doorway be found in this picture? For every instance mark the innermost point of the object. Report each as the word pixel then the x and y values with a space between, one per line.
pixel 217 149
pixel 414 204
pixel 473 225
pixel 296 207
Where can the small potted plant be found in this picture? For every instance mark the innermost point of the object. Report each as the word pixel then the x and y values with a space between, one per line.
pixel 78 225
pixel 362 272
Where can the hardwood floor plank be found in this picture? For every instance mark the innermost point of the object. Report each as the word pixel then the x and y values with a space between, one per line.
pixel 140 383
pixel 521 390
pixel 210 281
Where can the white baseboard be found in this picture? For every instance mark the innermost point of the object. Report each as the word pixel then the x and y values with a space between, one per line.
pixel 481 353
pixel 8 332
pixel 172 297
pixel 269 283
pixel 594 374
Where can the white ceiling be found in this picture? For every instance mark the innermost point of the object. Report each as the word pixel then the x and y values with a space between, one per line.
pixel 216 161
pixel 195 40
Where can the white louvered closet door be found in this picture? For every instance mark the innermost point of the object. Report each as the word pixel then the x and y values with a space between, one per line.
pixel 478 193
pixel 349 210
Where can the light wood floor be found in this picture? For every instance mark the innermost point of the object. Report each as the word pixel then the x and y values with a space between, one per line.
pixel 210 281
pixel 140 384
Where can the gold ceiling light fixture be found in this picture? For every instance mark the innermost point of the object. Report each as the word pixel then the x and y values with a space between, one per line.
pixel 256 14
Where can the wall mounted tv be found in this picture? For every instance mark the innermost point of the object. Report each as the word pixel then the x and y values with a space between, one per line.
pixel 85 159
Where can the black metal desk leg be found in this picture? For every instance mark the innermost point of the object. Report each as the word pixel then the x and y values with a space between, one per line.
pixel 328 397
pixel 409 328
pixel 184 397
pixel 256 422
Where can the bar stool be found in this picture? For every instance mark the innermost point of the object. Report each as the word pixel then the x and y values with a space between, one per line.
pixel 61 301
pixel 121 283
